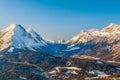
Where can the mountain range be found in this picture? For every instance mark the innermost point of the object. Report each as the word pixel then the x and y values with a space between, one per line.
pixel 25 47
pixel 96 44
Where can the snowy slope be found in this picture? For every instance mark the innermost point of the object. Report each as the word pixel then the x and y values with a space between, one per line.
pixel 103 44
pixel 111 31
pixel 92 43
pixel 15 36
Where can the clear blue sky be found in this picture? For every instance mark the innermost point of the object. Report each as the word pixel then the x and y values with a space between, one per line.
pixel 59 19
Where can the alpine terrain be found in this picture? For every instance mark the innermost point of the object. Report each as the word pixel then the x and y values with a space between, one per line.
pixel 92 55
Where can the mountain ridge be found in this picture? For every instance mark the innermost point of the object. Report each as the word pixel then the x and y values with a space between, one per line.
pixel 17 37
pixel 91 54
pixel 94 43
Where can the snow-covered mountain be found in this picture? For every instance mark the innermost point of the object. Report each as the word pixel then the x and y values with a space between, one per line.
pixel 16 37
pixel 89 54
pixel 113 30
pixel 98 44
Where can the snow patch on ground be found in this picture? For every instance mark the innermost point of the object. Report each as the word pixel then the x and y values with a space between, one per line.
pixel 1 56
pixel 112 61
pixel 118 68
pixel 99 62
pixel 85 57
pixel 23 78
pixel 99 74
pixel 71 49
pixel 11 49
pixel 71 71
pixel 52 72
pixel 70 68
pixel 68 71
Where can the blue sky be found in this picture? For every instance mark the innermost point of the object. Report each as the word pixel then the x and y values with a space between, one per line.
pixel 59 19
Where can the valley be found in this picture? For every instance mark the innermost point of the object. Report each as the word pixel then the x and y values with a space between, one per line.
pixel 90 55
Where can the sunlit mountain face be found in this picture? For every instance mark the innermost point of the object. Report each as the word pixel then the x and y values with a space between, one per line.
pixel 92 54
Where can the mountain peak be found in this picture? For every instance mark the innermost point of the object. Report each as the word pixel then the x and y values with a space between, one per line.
pixel 110 25
pixel 92 30
pixel 17 37
pixel 30 30
pixel 34 34
pixel 14 28
pixel 82 31
pixel 111 28
pixel 14 25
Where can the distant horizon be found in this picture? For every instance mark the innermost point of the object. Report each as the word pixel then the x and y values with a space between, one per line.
pixel 59 19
